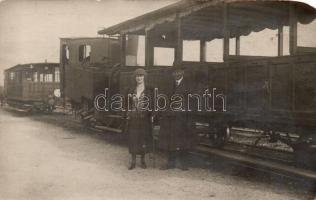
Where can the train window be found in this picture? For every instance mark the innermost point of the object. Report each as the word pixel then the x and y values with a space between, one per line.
pixel 306 34
pixel 131 50
pixel 191 50
pixel 57 74
pixel 141 51
pixel 214 50
pixel 35 78
pixel 12 75
pixel 232 46
pixel 48 78
pixel 84 53
pixel 163 56
pixel 41 78
pixel 286 40
pixel 65 53
pixel 263 43
pixel 28 76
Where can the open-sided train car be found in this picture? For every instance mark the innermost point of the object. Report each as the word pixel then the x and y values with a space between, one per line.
pixel 31 87
pixel 275 94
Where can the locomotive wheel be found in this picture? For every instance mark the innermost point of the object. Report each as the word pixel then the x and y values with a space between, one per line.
pixel 84 109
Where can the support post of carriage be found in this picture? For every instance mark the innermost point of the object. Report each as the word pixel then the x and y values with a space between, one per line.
pixel 293 29
pixel 280 41
pixel 123 49
pixel 202 51
pixel 226 32
pixel 179 45
pixel 149 51
pixel 237 50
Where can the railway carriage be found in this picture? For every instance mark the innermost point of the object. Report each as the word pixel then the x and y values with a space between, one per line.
pixel 34 86
pixel 274 93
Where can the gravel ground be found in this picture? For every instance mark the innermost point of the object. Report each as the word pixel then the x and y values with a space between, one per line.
pixel 53 157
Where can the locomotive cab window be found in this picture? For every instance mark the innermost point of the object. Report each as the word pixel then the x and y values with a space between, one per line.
pixel 65 53
pixel 84 53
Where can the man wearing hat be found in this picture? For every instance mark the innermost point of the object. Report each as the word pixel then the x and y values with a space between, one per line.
pixel 175 137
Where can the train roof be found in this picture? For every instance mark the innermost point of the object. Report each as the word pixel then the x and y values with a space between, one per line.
pixel 27 66
pixel 87 38
pixel 203 19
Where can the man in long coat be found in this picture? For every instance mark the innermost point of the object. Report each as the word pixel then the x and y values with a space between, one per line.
pixel 175 136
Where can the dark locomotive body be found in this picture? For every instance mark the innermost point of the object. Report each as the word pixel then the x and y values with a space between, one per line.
pixel 86 64
pixel 32 86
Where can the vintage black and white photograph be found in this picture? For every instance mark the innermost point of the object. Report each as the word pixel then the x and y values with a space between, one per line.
pixel 157 99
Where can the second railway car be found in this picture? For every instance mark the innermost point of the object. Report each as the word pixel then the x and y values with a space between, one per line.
pixel 34 86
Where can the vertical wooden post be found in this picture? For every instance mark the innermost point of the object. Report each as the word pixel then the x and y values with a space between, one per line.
pixel 226 32
pixel 149 50
pixel 293 30
pixel 179 45
pixel 280 41
pixel 237 51
pixel 53 74
pixel 146 48
pixel 123 49
pixel 39 71
pixel 202 51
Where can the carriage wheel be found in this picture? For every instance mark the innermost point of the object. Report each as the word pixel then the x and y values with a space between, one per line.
pixel 220 136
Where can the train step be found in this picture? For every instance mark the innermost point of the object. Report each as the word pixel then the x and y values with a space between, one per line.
pixel 106 128
pixel 25 110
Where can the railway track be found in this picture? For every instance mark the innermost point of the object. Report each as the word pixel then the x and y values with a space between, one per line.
pixel 237 154
pixel 259 158
pixel 277 161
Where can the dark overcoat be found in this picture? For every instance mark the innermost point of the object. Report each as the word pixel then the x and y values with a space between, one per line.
pixel 175 127
pixel 139 128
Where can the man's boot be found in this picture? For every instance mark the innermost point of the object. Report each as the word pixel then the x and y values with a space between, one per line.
pixel 183 161
pixel 133 163
pixel 171 162
pixel 143 163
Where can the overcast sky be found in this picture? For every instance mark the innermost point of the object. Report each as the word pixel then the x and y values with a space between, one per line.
pixel 30 29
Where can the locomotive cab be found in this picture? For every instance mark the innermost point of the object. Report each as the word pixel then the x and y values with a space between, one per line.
pixel 88 67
